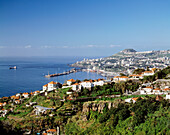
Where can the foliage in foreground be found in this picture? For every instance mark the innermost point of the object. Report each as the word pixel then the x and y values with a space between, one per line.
pixel 144 117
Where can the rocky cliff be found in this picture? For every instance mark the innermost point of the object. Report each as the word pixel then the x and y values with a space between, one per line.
pixel 98 106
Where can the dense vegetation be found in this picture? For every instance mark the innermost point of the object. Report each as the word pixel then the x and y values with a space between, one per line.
pixel 110 89
pixel 146 116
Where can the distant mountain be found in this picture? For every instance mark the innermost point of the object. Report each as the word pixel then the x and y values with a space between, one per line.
pixel 128 51
pixel 134 53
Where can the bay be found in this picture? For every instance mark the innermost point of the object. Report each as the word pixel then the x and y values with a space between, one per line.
pixel 29 75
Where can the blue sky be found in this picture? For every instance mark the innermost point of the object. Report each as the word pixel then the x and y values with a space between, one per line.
pixel 82 27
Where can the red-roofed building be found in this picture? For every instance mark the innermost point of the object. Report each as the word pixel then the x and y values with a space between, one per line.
pixel 15 97
pixel 148 73
pixel 157 91
pixel 1 104
pixel 99 82
pixel 50 86
pixel 75 86
pixel 148 89
pixel 135 77
pixel 25 95
pixel 87 84
pixel 17 101
pixel 133 100
pixel 51 132
pixel 166 90
pixel 120 78
pixel 69 82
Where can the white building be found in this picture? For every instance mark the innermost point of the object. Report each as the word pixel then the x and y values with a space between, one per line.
pixel 148 89
pixel 157 91
pixel 132 100
pixel 87 84
pixel 120 78
pixel 135 77
pixel 50 86
pixel 166 90
pixel 69 82
pixel 36 92
pixel 99 82
pixel 45 87
pixel 148 73
pixel 25 95
pixel 75 86
pixel 167 96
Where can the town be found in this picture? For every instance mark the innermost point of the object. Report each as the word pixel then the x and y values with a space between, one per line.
pixel 126 62
pixel 55 99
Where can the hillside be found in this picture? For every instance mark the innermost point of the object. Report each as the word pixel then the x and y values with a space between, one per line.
pixel 147 116
pixel 134 53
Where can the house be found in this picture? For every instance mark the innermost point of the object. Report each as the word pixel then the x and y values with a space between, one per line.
pixel 148 89
pixel 157 91
pixel 123 78
pixel 50 86
pixel 3 112
pixel 17 101
pixel 75 86
pixel 1 104
pixel 120 78
pixel 142 92
pixel 99 82
pixel 116 79
pixel 167 96
pixel 135 77
pixel 51 132
pixel 18 94
pixel 87 84
pixel 148 73
pixel 69 82
pixel 25 95
pixel 4 103
pixel 166 90
pixel 15 97
pixel 133 100
pixel 40 109
pixel 31 104
pixel 36 92
pixel 45 87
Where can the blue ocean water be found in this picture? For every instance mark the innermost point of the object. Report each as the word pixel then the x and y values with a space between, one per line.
pixel 30 72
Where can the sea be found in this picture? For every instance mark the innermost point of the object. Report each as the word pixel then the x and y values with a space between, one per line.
pixel 29 75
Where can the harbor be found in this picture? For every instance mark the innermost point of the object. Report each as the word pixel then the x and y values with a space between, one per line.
pixel 74 70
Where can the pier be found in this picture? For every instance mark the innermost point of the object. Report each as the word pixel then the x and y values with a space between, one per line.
pixel 64 73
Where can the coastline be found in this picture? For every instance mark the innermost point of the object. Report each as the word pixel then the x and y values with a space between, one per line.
pixel 30 74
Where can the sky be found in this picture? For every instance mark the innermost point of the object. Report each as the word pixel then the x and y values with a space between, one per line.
pixel 82 27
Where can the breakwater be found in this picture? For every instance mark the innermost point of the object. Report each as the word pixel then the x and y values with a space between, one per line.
pixel 64 73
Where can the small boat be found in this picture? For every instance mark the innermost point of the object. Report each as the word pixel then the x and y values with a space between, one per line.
pixel 15 67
